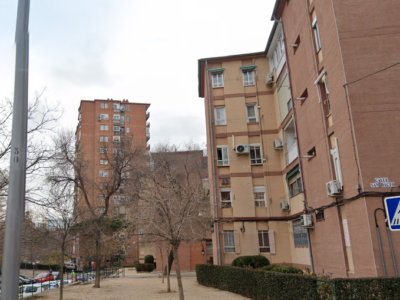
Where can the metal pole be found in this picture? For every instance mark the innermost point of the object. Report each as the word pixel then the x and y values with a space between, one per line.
pixel 380 248
pixel 16 192
pixel 391 248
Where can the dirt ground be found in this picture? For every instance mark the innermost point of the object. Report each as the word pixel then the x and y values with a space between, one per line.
pixel 134 288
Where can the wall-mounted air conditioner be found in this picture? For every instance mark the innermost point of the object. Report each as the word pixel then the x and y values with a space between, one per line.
pixel 278 145
pixel 333 188
pixel 242 149
pixel 269 80
pixel 307 220
pixel 284 205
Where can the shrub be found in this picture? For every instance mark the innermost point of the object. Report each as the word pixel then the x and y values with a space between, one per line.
pixel 254 261
pixel 149 259
pixel 283 269
pixel 116 264
pixel 258 284
pixel 144 267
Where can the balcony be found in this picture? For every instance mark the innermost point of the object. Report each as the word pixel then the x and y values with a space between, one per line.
pixel 147 115
pixel 148 133
pixel 292 153
pixel 116 121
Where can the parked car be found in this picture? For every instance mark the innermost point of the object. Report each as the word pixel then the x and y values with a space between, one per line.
pixel 29 290
pixel 43 277
pixel 27 280
pixel 56 275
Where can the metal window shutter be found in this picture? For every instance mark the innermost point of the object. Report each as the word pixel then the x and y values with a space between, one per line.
pixel 237 242
pixel 271 234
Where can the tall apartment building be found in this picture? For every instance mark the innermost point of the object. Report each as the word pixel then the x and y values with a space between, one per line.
pixel 102 122
pixel 343 65
pixel 254 171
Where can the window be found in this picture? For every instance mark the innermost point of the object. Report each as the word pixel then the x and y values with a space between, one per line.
pixel 222 156
pixel 263 241
pixel 319 215
pixel 116 139
pixel 229 241
pixel 102 209
pixel 102 197
pixel 103 105
pixel 300 235
pixel 103 138
pixel 226 199
pixel 116 118
pixel 248 78
pixel 336 163
pixel 122 108
pixel 127 108
pixel 103 150
pixel 103 161
pixel 104 127
pixel 251 110
pixel 116 129
pixel 209 247
pixel 104 116
pixel 259 196
pixel 255 155
pixel 217 80
pixel 316 34
pixel 127 119
pixel 295 187
pixel 289 104
pixel 116 107
pixel 220 116
pixel 323 86
pixel 127 129
pixel 102 185
pixel 103 173
pixel 118 200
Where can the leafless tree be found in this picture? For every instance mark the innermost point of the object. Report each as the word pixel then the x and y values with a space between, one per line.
pixel 173 205
pixel 72 164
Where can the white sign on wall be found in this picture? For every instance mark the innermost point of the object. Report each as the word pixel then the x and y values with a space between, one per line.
pixel 382 182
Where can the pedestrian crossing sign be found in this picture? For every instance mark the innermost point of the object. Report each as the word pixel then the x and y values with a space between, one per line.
pixel 392 206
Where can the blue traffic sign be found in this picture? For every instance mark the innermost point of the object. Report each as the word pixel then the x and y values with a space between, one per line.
pixel 392 206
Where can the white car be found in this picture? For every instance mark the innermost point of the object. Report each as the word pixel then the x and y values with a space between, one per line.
pixel 29 290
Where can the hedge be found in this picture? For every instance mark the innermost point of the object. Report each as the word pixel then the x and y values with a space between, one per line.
pixel 387 288
pixel 283 269
pixel 258 284
pixel 29 266
pixel 144 267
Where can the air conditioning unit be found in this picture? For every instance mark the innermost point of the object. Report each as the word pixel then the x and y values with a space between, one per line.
pixel 242 149
pixel 99 118
pixel 225 180
pixel 284 205
pixel 333 188
pixel 269 80
pixel 278 145
pixel 306 220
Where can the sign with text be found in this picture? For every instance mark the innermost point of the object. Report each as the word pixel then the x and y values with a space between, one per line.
pixel 392 206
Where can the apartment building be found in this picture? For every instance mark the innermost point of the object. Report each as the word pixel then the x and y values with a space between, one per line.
pixel 102 124
pixel 254 171
pixel 342 65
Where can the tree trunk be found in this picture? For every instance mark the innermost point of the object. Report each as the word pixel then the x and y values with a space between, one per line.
pixel 178 273
pixel 170 262
pixel 162 265
pixel 168 281
pixel 61 271
pixel 98 261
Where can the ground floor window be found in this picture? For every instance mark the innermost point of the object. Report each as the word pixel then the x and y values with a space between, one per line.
pixel 263 241
pixel 300 234
pixel 229 241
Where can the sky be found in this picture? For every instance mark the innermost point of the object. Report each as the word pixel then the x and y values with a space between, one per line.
pixel 143 51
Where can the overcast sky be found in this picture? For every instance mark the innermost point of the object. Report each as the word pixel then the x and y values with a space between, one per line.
pixel 143 51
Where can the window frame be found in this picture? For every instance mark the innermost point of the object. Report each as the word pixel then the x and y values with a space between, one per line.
pixel 218 80
pixel 102 209
pixel 103 105
pixel 220 121
pixel 103 127
pixel 103 162
pixel 127 119
pixel 103 138
pixel 248 78
pixel 258 190
pixel 225 160
pixel 229 236
pixel 317 37
pixel 265 240
pixel 103 173
pixel 103 150
pixel 252 148
pixel 295 187
pixel 255 108
pixel 225 190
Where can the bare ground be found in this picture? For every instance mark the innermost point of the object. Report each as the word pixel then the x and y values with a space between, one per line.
pixel 152 288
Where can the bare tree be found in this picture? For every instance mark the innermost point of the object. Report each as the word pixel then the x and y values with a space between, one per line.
pixel 173 205
pixel 72 164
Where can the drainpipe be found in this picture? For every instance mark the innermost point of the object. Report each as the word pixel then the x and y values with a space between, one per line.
pixel 298 151
pixel 380 242
pixel 213 164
